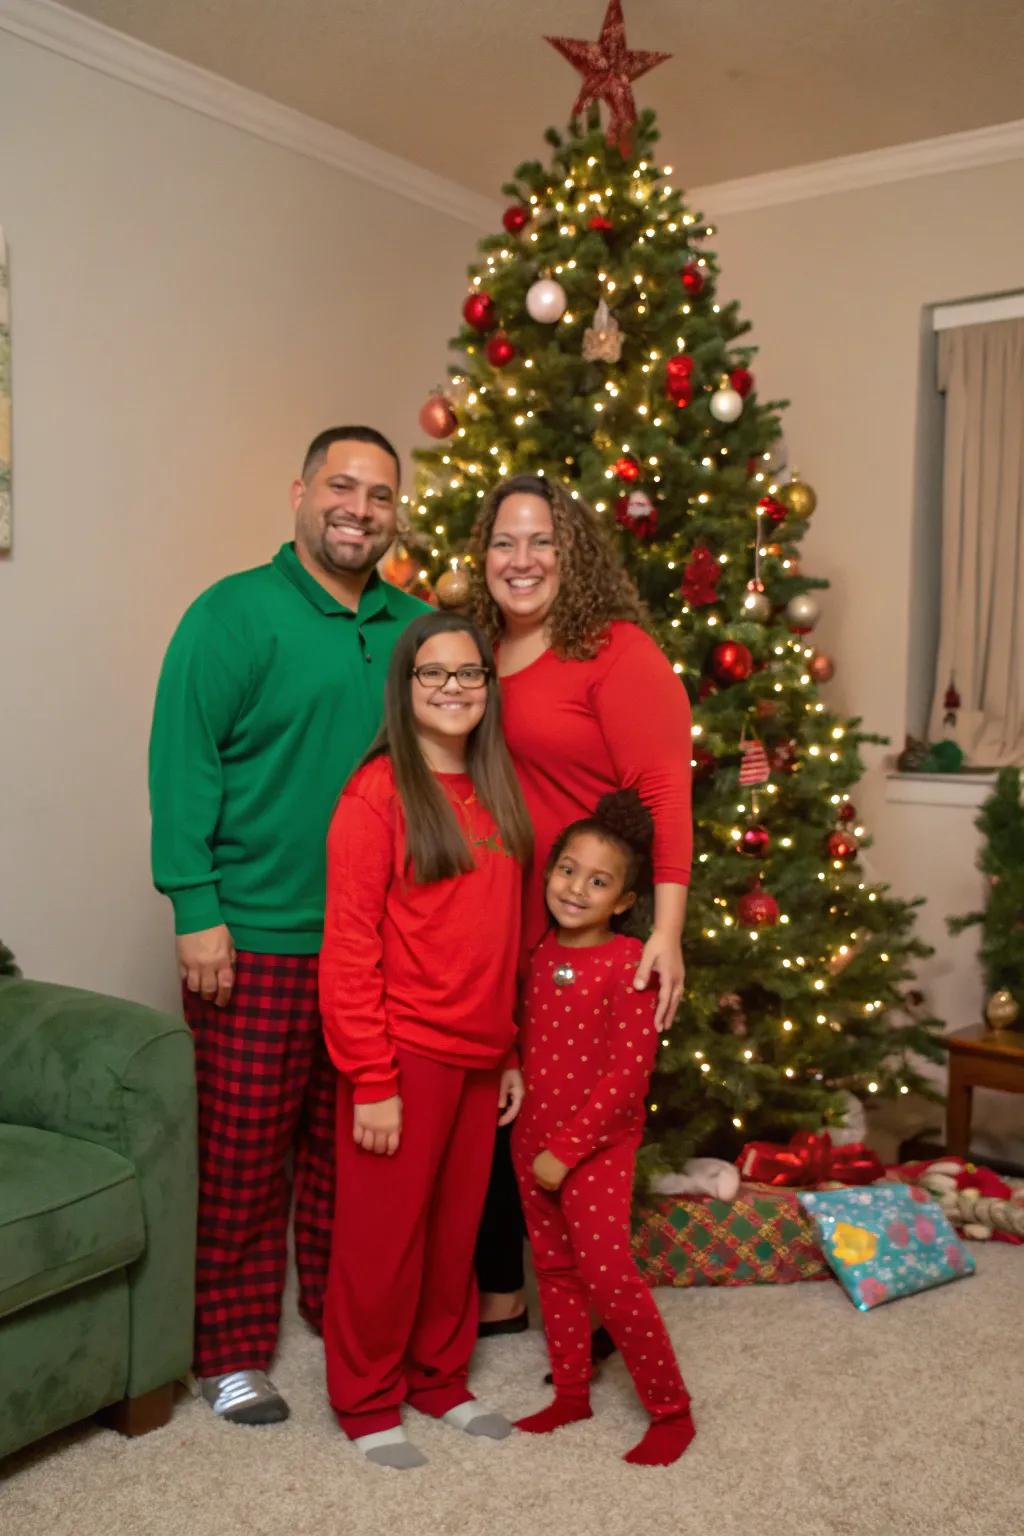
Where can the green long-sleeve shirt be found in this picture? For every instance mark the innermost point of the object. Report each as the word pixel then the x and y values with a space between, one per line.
pixel 270 693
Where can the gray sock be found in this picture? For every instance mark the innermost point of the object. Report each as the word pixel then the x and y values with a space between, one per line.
pixel 391 1448
pixel 476 1419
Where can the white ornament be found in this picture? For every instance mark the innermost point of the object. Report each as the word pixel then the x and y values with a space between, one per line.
pixel 803 611
pixel 757 605
pixel 726 405
pixel 546 301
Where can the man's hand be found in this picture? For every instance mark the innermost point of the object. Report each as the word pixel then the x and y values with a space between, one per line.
pixel 510 1095
pixel 549 1171
pixel 378 1127
pixel 662 953
pixel 206 963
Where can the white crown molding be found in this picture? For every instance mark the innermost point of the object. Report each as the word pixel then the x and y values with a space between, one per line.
pixel 899 162
pixel 88 42
pixel 98 47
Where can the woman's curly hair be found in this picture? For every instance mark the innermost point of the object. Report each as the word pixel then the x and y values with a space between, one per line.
pixel 593 587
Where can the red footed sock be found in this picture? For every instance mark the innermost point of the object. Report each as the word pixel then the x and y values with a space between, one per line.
pixel 564 1410
pixel 664 1442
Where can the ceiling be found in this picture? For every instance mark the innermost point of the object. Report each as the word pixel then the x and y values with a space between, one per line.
pixel 467 90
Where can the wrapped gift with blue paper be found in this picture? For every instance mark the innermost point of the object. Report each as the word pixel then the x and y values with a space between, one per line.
pixel 885 1242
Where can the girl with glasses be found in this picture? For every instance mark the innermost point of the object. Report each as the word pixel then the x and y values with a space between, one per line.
pixel 417 994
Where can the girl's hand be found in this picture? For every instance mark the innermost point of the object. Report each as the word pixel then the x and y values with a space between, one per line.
pixel 663 953
pixel 549 1171
pixel 510 1095
pixel 378 1127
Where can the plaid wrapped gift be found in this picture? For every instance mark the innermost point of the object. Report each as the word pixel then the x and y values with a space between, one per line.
pixel 762 1238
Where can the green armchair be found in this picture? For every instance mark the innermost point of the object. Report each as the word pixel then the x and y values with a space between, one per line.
pixel 97 1210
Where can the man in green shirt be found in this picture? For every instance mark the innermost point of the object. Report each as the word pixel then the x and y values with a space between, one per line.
pixel 271 690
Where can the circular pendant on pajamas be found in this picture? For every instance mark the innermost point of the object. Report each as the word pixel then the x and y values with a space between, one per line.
pixel 563 975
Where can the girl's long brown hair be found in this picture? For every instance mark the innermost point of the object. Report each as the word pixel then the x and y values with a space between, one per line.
pixel 593 587
pixel 436 846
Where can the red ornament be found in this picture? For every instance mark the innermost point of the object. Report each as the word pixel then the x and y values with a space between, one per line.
pixel 700 578
pixel 600 224
pixel 679 379
pixel 692 279
pixel 731 662
pixel 742 381
pixel 755 767
pixel 821 667
pixel 637 512
pixel 757 908
pixel 756 840
pixel 500 350
pixel 840 845
pixel 437 417
pixel 783 757
pixel 515 218
pixel 680 365
pixel 951 699
pixel 479 312
pixel 627 468
pixel 772 509
pixel 608 68
pixel 703 762
pixel 847 812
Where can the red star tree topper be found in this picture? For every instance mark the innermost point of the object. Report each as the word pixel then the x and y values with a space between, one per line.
pixel 608 68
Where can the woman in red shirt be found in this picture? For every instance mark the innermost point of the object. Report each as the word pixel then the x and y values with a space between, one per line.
pixel 590 705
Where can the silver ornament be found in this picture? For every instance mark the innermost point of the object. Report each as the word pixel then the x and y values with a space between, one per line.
pixel 546 301
pixel 563 975
pixel 803 611
pixel 726 405
pixel 757 605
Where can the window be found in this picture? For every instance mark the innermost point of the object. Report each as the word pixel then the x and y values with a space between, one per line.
pixel 968 634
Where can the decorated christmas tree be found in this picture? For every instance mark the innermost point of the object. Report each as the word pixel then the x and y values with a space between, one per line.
pixel 1001 859
pixel 595 349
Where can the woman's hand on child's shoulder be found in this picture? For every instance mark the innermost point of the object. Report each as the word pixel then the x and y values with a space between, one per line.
pixel 378 1127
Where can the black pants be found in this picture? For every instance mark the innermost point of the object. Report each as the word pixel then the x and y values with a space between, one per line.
pixel 499 1247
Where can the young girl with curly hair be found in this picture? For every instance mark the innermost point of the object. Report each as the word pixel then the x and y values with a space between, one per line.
pixel 589 1043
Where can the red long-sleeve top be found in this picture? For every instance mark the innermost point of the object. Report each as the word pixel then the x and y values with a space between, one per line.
pixel 588 1049
pixel 577 729
pixel 429 967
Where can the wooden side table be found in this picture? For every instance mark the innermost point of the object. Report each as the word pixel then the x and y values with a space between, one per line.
pixel 979 1058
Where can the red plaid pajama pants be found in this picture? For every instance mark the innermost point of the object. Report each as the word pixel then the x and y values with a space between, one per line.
pixel 266 1089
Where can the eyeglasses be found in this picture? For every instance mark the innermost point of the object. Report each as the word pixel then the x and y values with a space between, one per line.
pixel 433 675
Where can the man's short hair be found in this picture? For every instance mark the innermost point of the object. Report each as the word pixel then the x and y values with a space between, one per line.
pixel 319 448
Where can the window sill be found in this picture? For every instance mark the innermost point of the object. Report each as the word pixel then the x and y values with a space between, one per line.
pixel 964 791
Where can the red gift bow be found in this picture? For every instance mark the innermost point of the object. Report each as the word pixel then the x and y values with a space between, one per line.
pixel 809 1159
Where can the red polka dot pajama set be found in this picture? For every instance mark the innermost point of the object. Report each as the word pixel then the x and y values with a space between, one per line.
pixel 588 1043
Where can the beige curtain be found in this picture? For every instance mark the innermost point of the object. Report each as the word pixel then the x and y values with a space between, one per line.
pixel 981 644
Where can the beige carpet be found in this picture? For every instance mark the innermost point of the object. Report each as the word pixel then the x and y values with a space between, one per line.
pixel 813 1420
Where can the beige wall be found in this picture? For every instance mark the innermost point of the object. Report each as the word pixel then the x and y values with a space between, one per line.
pixel 190 305
pixel 835 288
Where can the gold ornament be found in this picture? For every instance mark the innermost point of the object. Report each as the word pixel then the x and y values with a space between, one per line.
pixel 1002 1010
pixel 799 497
pixel 452 588
pixel 602 341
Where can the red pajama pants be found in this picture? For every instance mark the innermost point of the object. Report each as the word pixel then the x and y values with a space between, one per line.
pixel 400 1316
pixel 580 1237
pixel 266 1090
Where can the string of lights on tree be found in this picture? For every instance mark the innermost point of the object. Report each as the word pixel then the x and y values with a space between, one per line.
pixel 595 349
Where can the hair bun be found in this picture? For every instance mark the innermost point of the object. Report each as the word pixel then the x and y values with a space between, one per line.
pixel 626 817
